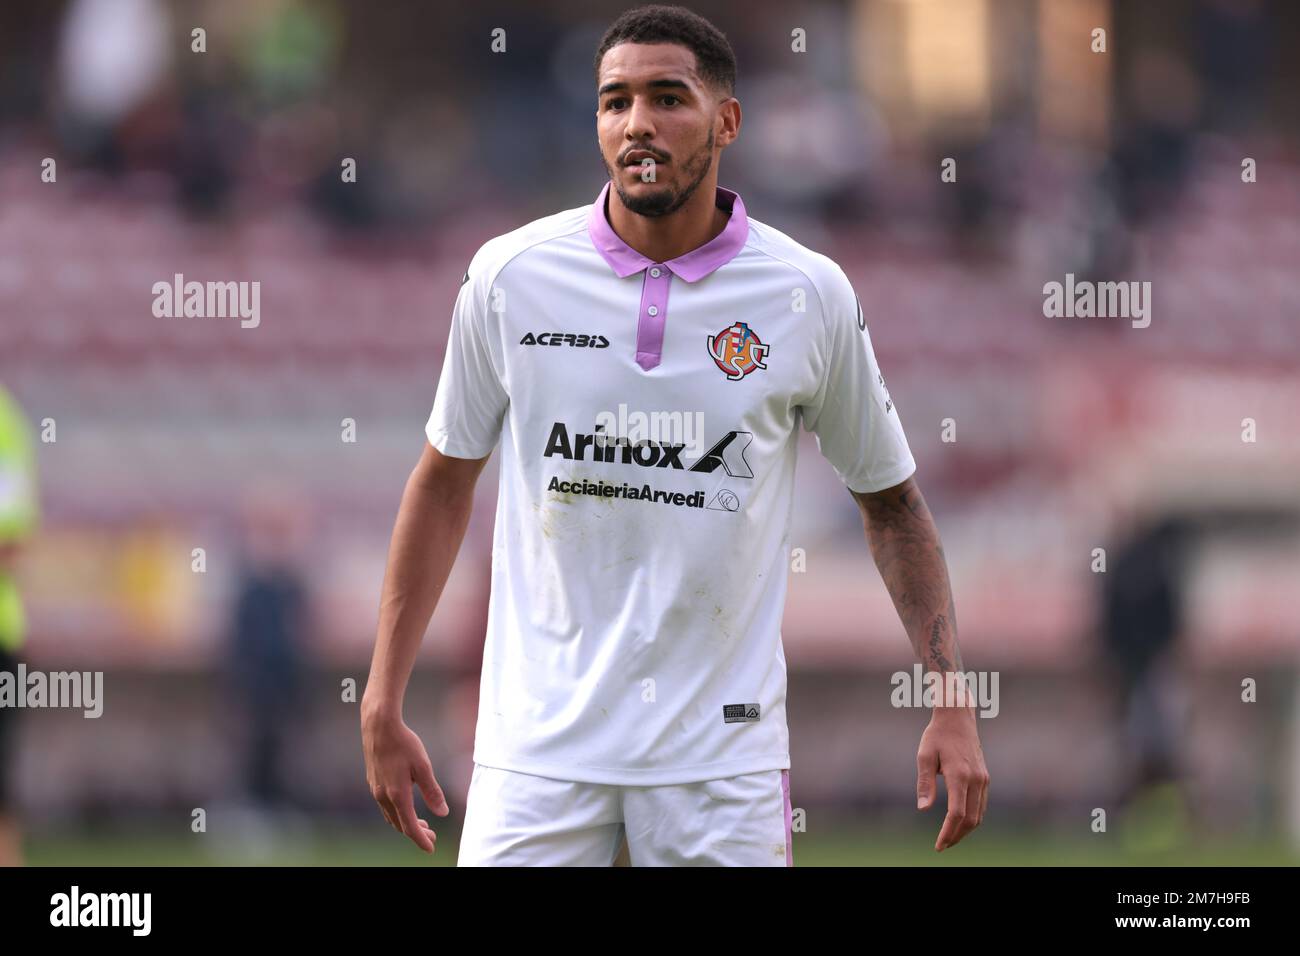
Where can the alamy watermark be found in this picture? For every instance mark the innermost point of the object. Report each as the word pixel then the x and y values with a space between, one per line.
pixel 1103 300
pixel 130 910
pixel 664 429
pixel 208 300
pixel 79 690
pixel 978 689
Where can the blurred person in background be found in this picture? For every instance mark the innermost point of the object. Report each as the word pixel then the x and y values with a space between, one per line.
pixel 267 644
pixel 19 515
pixel 114 59
pixel 1142 621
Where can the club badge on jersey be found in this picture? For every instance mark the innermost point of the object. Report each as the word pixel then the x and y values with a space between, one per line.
pixel 738 351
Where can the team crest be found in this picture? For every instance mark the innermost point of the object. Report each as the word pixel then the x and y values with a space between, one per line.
pixel 738 351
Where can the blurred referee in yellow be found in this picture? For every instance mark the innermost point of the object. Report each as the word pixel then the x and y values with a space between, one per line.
pixel 19 514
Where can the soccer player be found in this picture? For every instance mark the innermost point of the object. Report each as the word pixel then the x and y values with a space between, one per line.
pixel 19 516
pixel 634 680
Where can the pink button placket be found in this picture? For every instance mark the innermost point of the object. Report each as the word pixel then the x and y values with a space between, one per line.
pixel 650 320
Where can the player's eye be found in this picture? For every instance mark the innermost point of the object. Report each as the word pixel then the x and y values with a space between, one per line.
pixel 614 103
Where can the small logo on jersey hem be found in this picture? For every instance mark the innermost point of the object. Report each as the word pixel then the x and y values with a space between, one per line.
pixel 739 713
pixel 737 351
pixel 725 500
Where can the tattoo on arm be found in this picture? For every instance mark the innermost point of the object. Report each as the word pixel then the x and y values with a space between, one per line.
pixel 906 547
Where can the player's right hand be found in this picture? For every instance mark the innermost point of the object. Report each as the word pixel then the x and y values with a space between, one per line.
pixel 396 762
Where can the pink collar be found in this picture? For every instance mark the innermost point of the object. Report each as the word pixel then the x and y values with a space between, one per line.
pixel 696 264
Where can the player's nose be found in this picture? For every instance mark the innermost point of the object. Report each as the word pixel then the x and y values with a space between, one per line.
pixel 640 126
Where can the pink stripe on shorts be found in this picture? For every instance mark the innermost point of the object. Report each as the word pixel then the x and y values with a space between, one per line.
pixel 789 843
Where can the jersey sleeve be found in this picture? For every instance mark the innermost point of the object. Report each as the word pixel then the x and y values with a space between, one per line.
pixel 471 400
pixel 856 424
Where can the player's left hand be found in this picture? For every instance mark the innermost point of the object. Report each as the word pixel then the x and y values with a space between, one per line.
pixel 950 746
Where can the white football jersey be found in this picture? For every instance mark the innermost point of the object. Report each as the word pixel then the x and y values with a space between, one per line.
pixel 648 417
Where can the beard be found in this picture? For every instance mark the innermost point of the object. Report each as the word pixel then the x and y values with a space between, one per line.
pixel 666 200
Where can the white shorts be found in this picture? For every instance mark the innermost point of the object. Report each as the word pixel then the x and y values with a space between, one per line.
pixel 517 819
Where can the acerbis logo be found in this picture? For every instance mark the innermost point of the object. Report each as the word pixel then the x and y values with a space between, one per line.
pixel 566 338
pixel 728 453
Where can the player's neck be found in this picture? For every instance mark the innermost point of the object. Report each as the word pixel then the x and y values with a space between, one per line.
pixel 662 238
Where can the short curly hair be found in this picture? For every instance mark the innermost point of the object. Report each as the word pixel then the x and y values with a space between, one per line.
pixel 715 61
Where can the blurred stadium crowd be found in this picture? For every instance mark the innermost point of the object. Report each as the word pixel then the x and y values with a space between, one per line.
pixel 1071 434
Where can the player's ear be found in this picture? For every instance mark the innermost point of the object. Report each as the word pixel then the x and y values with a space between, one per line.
pixel 729 115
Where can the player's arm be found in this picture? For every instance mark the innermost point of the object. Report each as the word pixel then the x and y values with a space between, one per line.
pixel 906 548
pixel 427 535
